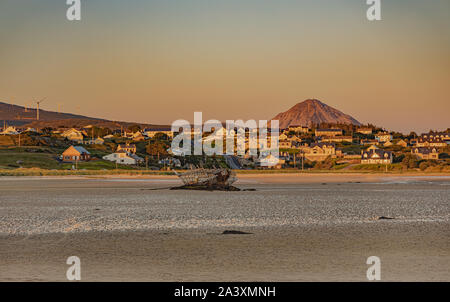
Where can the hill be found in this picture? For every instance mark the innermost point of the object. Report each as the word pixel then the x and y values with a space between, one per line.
pixel 26 117
pixel 312 112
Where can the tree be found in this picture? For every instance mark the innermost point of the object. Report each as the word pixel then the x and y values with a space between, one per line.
pixel 134 128
pixel 410 161
pixel 157 148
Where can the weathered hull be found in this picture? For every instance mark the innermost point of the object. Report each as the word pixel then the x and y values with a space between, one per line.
pixel 208 177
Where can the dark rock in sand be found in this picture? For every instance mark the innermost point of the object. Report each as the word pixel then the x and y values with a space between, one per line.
pixel 230 232
pixel 384 218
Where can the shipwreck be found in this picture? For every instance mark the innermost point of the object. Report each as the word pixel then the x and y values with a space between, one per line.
pixel 207 179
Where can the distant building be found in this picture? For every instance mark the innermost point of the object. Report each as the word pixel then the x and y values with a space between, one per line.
pixel 402 143
pixel 74 135
pixel 127 147
pixel 10 131
pixel 124 158
pixel 152 132
pixel 96 141
pixel 425 152
pixel 383 137
pixel 363 130
pixel 318 151
pixel 337 139
pixel 374 155
pixel 298 128
pixel 285 144
pixel 76 153
pixel 369 142
pixel 430 142
pixel 328 132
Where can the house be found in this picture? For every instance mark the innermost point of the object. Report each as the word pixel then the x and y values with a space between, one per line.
pixel 388 144
pixel 76 153
pixel 124 158
pixel 328 132
pixel 364 130
pixel 285 144
pixel 430 142
pixel 97 141
pixel 369 142
pixel 10 131
pixel 319 151
pixel 138 137
pixel 383 137
pixel 74 135
pixel 374 155
pixel 152 132
pixel 425 152
pixel 442 135
pixel 298 129
pixel 127 147
pixel 402 143
pixel 294 138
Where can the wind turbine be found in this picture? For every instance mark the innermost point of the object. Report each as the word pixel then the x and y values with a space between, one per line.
pixel 37 110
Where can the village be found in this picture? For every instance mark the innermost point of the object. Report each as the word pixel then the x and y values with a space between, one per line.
pixel 324 147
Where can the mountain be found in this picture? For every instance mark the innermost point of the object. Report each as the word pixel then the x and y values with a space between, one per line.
pixel 312 112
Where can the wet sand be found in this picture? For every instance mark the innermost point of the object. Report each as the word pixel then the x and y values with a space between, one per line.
pixel 408 252
pixel 303 229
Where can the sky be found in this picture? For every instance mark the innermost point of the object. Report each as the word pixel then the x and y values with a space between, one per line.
pixel 156 61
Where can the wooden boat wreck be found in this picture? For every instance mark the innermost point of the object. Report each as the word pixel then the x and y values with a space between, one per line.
pixel 207 179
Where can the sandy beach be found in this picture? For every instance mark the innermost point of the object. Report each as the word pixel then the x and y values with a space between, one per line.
pixel 303 228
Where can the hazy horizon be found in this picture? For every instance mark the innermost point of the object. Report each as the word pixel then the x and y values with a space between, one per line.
pixel 158 61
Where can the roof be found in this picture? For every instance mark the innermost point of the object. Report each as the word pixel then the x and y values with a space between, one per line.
pixel 330 130
pixel 424 150
pixel 322 145
pixel 381 153
pixel 81 149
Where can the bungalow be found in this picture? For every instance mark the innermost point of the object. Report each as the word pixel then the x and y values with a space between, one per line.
pixel 373 155
pixel 127 147
pixel 328 132
pixel 425 153
pixel 76 153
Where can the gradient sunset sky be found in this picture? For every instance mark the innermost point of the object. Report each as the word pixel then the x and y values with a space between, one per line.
pixel 158 61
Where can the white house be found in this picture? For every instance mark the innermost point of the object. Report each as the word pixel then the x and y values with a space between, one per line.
pixel 124 158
